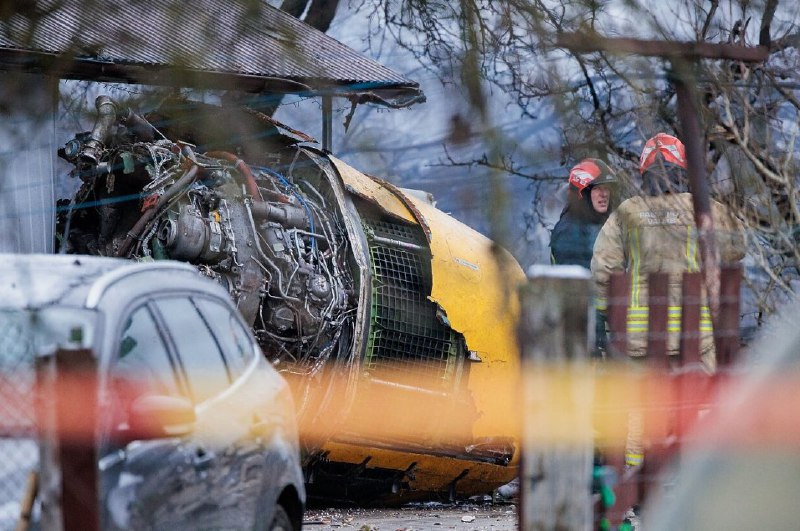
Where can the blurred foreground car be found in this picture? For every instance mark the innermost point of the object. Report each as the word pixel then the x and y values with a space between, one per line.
pixel 195 429
pixel 742 469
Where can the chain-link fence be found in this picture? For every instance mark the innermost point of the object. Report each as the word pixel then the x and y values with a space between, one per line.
pixel 18 433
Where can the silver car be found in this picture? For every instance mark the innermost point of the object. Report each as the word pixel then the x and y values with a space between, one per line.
pixel 194 428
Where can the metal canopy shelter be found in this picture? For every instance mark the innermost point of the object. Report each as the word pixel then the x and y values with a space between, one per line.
pixel 242 45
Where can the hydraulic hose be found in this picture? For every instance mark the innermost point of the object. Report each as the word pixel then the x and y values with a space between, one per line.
pixel 240 165
pixel 185 180
pixel 264 257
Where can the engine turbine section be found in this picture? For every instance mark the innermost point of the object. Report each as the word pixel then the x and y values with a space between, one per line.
pixel 266 233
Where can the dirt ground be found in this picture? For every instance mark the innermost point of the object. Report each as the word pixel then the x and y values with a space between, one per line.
pixel 415 517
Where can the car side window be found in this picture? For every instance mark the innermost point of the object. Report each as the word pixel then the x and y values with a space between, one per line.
pixel 233 338
pixel 141 366
pixel 197 348
pixel 143 359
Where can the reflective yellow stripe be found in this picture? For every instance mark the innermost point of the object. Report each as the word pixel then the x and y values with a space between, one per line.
pixel 691 251
pixel 638 318
pixel 635 262
pixel 639 327
pixel 671 310
pixel 633 459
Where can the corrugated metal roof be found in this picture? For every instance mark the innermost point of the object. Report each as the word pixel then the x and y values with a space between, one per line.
pixel 245 43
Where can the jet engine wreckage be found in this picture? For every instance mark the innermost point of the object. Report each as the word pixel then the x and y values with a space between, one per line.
pixel 391 320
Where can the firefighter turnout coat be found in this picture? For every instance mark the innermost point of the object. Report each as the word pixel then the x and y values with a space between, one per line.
pixel 658 234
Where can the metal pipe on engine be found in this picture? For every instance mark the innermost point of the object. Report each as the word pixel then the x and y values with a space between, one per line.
pixel 239 164
pixel 143 130
pixel 106 116
pixel 287 215
pixel 248 207
pixel 185 180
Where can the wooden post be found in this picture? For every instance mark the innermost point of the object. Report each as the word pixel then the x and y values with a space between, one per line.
pixel 78 455
pixel 658 304
pixel 74 487
pixel 693 380
pixel 556 331
pixel 695 144
pixel 691 301
pixel 619 291
pixel 659 415
pixel 327 122
pixel 726 327
pixel 49 492
pixel 627 490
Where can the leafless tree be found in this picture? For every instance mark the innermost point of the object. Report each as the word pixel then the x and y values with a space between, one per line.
pixel 602 104
pixel 607 103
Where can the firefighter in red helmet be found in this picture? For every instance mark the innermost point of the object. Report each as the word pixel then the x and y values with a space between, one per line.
pixel 591 187
pixel 663 166
pixel 656 232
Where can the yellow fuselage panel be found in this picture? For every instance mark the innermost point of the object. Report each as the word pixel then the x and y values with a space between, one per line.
pixel 368 188
pixel 430 473
pixel 475 284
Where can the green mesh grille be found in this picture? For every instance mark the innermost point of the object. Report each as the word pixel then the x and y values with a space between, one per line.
pixel 405 331
pixel 406 233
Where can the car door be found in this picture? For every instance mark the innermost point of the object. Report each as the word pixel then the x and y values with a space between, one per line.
pixel 259 412
pixel 214 445
pixel 243 408
pixel 143 482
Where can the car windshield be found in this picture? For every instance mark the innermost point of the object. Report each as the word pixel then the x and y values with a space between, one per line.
pixel 24 336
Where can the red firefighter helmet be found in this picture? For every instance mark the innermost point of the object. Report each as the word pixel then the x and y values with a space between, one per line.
pixel 588 173
pixel 663 146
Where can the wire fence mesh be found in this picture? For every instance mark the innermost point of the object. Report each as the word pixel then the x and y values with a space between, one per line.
pixel 19 452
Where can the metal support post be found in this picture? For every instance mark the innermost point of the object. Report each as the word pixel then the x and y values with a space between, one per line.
pixel 327 123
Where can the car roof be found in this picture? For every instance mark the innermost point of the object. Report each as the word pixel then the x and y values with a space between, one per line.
pixel 37 280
